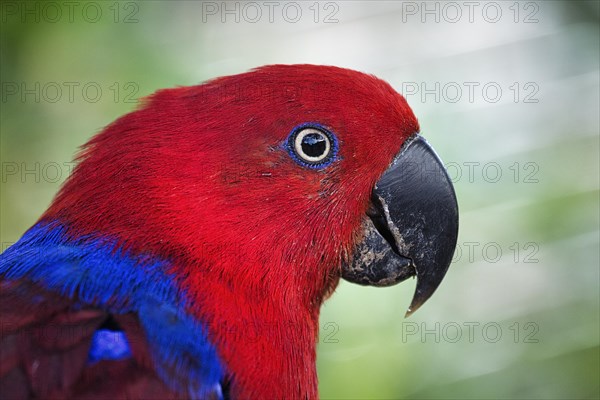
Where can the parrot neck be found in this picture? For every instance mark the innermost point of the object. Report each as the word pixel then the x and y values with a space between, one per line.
pixel 267 339
pixel 259 309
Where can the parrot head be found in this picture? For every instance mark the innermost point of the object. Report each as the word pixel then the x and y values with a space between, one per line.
pixel 262 189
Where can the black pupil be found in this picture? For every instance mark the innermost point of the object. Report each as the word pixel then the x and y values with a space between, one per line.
pixel 314 144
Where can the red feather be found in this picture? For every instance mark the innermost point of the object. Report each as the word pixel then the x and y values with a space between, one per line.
pixel 197 175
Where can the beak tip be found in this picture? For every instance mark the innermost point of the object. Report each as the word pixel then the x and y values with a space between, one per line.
pixel 414 306
pixel 423 292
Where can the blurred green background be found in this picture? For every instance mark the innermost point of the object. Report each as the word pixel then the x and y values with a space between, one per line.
pixel 508 94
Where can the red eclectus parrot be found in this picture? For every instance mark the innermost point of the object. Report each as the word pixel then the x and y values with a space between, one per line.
pixel 189 253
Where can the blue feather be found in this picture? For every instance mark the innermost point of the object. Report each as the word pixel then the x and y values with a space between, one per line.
pixel 108 345
pixel 96 272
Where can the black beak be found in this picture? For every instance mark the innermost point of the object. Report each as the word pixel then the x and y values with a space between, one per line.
pixel 412 225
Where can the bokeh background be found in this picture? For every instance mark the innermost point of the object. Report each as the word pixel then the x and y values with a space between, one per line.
pixel 508 94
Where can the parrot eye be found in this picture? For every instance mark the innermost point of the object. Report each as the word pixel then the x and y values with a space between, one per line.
pixel 312 146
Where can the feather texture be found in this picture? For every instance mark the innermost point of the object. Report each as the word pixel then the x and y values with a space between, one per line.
pixel 79 284
pixel 189 224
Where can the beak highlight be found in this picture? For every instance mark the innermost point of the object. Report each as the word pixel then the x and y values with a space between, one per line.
pixel 412 225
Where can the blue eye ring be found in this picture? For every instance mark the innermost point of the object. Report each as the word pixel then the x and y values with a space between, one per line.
pixel 315 138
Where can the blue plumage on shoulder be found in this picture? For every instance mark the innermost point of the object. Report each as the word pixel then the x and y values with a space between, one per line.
pixel 95 272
